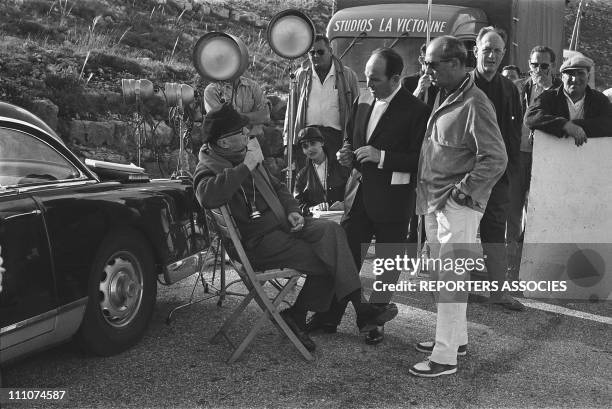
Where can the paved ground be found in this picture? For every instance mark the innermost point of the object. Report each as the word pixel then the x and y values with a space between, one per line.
pixel 537 358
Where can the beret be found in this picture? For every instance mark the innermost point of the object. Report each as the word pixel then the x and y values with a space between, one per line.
pixel 222 121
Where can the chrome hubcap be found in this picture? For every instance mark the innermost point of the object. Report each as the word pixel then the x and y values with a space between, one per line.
pixel 121 289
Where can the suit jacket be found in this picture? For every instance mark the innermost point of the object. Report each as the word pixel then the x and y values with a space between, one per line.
pixel 549 113
pixel 399 133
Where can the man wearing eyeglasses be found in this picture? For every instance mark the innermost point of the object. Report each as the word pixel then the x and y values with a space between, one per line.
pixel 274 233
pixel 462 157
pixel 490 49
pixel 573 110
pixel 324 96
pixel 541 67
pixel 420 83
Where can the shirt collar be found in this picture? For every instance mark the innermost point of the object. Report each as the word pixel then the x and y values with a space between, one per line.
pixel 569 99
pixel 320 164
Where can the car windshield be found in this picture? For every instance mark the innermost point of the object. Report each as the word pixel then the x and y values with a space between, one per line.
pixel 26 160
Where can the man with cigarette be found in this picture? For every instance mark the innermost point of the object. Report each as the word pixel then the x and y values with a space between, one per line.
pixel 274 233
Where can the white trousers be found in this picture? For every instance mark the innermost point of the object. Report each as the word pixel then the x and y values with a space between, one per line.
pixel 451 234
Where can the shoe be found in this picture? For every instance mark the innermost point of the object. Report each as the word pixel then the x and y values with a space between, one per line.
pixel 299 333
pixel 317 323
pixel 428 346
pixel 375 316
pixel 375 336
pixel 431 369
pixel 509 303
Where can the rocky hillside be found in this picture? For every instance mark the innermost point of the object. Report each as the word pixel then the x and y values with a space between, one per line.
pixel 64 59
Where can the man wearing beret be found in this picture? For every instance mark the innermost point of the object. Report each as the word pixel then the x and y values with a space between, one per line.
pixel 274 233
pixel 574 109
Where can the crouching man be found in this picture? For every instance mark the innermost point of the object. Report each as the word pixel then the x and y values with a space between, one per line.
pixel 274 233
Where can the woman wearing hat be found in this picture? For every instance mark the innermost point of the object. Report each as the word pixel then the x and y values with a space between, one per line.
pixel 321 183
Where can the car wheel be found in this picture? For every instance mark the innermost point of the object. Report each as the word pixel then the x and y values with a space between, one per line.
pixel 122 290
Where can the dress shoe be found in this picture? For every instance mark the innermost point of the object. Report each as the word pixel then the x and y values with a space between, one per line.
pixel 431 369
pixel 299 332
pixel 317 323
pixel 375 336
pixel 373 316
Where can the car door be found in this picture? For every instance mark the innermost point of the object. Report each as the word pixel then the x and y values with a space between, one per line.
pixel 28 302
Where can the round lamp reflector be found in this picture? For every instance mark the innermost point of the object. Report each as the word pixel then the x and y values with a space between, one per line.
pixel 220 57
pixel 291 34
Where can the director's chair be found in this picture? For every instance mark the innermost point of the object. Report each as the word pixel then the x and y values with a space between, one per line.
pixel 207 261
pixel 227 230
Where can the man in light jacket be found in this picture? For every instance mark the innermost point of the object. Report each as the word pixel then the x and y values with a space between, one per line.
pixel 462 157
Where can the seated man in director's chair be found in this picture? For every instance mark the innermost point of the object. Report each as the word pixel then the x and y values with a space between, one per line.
pixel 273 232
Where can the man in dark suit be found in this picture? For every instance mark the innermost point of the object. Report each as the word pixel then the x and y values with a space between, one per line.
pixel 420 84
pixel 384 136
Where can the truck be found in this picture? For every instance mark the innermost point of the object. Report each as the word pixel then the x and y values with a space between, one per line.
pixel 357 27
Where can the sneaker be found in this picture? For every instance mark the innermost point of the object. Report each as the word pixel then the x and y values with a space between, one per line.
pixel 428 346
pixel 431 369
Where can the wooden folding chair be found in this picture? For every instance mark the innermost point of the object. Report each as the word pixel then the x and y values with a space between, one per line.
pixel 254 282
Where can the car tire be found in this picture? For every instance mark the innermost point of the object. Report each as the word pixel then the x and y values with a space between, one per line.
pixel 122 289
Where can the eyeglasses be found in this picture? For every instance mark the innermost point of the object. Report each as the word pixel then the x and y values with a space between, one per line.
pixel 542 65
pixel 434 65
pixel 313 52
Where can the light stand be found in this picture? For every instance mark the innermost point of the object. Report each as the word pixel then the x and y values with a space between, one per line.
pixel 291 34
pixel 178 96
pixel 137 91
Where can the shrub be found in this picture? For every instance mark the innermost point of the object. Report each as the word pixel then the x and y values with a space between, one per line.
pixel 34 29
pixel 67 93
pixel 88 9
pixel 159 40
pixel 113 63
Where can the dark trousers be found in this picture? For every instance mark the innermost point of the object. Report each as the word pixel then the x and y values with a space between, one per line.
pixel 320 251
pixel 493 233
pixel 390 242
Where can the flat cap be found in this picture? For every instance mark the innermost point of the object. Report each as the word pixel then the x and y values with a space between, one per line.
pixel 576 62
pixel 221 122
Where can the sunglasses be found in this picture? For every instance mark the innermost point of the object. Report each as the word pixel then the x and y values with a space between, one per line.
pixel 313 52
pixel 542 65
pixel 434 65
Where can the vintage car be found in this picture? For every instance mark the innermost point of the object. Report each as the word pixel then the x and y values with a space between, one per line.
pixel 83 253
